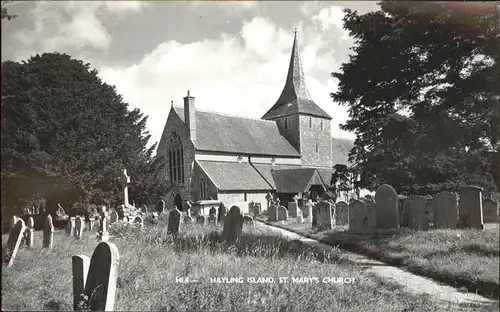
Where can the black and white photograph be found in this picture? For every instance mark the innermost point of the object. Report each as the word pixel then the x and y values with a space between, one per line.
pixel 250 156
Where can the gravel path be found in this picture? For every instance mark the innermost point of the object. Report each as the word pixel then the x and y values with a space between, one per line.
pixel 410 282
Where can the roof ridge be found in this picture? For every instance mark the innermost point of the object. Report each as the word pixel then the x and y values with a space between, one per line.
pixel 227 114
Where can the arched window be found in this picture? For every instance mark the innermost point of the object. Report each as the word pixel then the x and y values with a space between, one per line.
pixel 176 159
pixel 203 189
pixel 286 123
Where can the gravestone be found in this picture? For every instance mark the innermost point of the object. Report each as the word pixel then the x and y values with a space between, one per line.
pixel 174 221
pixel 161 206
pixel 233 225
pixel 113 217
pixel 30 233
pixel 125 180
pixel 293 209
pixel 324 216
pixel 13 221
pixel 358 216
pixel 299 219
pixel 80 268
pixel 70 227
pixel 212 216
pixel 490 211
pixel 272 213
pixel 221 213
pixel 139 221
pixel 282 213
pixel 386 207
pixel 445 205
pixel 144 209
pixel 48 233
pixel 342 213
pixel 248 220
pixel 470 208
pixel 418 217
pixel 100 286
pixel 103 226
pixel 14 242
pixel 79 223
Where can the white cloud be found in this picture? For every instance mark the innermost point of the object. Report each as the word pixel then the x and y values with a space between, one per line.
pixel 240 75
pixel 331 17
pixel 72 25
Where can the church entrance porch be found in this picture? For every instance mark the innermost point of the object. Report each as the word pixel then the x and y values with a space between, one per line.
pixel 178 201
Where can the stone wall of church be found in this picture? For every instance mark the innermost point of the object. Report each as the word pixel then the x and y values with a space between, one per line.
pixel 312 134
pixel 291 131
pixel 175 124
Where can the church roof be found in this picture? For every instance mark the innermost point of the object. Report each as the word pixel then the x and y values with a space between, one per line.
pixel 234 176
pixel 222 133
pixel 295 97
pixel 296 180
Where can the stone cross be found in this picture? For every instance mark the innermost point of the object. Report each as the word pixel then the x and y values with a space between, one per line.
pixel 14 242
pixel 96 278
pixel 30 232
pixel 233 225
pixel 125 180
pixel 48 233
pixel 174 220
pixel 79 223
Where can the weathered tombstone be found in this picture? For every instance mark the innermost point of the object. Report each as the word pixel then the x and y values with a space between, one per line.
pixel 342 213
pixel 324 217
pixel 70 227
pixel 293 209
pixel 100 286
pixel 386 207
pixel 139 221
pixel 221 213
pixel 428 208
pixel 272 213
pixel 490 211
pixel 30 233
pixel 358 216
pixel 79 224
pixel 257 209
pixel 13 221
pixel 470 207
pixel 103 226
pixel 113 217
pixel 161 206
pixel 80 267
pixel 48 233
pixel 174 220
pixel 445 205
pixel 418 218
pixel 125 180
pixel 248 220
pixel 233 225
pixel 144 209
pixel 212 216
pixel 14 242
pixel 282 213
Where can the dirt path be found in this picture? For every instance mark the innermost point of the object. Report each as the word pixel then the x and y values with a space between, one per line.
pixel 410 282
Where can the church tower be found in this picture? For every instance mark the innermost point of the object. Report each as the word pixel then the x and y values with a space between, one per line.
pixel 301 121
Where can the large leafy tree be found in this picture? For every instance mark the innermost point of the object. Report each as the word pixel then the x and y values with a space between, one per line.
pixel 67 136
pixel 422 90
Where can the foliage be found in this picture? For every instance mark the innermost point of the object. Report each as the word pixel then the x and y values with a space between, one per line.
pixel 421 87
pixel 67 135
pixel 5 13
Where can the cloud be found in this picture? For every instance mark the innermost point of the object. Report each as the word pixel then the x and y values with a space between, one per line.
pixel 74 27
pixel 242 74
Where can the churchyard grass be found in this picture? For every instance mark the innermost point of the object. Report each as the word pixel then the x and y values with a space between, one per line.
pixel 150 262
pixel 464 258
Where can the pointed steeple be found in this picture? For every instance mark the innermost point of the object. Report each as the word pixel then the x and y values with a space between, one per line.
pixel 295 97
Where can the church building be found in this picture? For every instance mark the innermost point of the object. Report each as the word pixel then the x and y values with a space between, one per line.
pixel 232 159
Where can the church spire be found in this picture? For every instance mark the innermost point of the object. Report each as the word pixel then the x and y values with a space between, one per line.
pixel 295 97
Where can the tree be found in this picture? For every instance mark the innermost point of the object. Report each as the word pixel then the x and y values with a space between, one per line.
pixel 4 12
pixel 67 135
pixel 421 90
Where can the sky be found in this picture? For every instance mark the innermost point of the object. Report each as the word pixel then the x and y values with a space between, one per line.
pixel 232 56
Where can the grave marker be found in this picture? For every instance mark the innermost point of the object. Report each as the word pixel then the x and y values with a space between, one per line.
pixel 30 233
pixel 80 267
pixel 342 213
pixel 470 207
pixel 386 207
pixel 48 233
pixel 79 223
pixel 490 211
pixel 282 213
pixel 14 242
pixel 272 213
pixel 233 225
pixel 174 220
pixel 445 205
pixel 418 217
